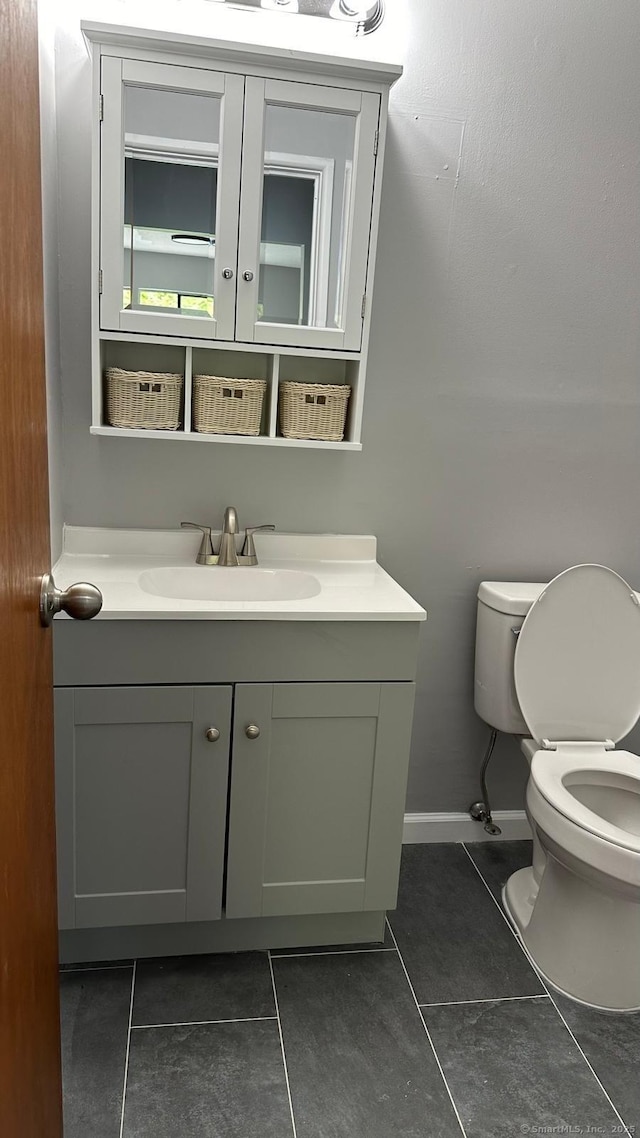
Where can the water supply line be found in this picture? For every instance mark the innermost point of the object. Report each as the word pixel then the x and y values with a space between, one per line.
pixel 481 811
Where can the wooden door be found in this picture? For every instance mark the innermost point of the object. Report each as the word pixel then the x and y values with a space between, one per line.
pixel 142 803
pixel 30 1095
pixel 317 798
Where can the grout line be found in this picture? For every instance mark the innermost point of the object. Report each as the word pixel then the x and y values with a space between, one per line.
pixel 547 990
pixel 92 968
pixel 200 1022
pixel 284 1057
pixel 126 1058
pixel 426 1029
pixel 502 912
pixel 491 1000
pixel 339 952
pixel 488 888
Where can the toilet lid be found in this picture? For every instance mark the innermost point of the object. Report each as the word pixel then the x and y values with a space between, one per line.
pixel 577 659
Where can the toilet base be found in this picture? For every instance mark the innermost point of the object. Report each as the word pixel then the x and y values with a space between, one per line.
pixel 584 941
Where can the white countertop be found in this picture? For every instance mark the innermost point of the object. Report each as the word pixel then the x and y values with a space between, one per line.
pixel 352 584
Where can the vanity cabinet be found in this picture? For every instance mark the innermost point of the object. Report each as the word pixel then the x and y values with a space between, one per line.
pixel 236 194
pixel 281 826
pixel 315 798
pixel 142 777
pixel 141 802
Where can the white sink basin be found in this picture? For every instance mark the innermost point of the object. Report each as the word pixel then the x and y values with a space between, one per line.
pixel 244 583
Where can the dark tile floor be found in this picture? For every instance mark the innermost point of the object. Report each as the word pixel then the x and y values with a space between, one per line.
pixel 444 1029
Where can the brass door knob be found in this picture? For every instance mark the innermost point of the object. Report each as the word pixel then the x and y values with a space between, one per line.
pixel 252 731
pixel 212 734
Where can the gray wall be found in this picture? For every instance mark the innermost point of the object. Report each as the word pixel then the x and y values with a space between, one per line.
pixel 501 429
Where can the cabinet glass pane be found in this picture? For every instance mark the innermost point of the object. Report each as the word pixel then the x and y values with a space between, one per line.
pixel 170 191
pixel 306 205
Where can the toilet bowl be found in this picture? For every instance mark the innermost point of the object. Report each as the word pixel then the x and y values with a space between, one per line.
pixel 576 672
pixel 578 910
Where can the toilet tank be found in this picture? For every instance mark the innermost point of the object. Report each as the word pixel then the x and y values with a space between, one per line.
pixel 502 607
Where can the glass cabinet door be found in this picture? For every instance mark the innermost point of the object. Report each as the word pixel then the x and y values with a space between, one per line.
pixel 170 184
pixel 307 188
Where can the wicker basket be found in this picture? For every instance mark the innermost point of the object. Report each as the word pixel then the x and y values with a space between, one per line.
pixel 313 410
pixel 143 399
pixel 223 406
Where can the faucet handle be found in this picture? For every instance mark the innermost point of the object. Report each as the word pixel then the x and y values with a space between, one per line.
pixel 249 549
pixel 205 553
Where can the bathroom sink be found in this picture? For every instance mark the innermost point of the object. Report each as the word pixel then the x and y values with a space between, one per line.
pixel 245 583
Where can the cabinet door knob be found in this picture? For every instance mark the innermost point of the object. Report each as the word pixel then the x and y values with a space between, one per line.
pixel 252 731
pixel 227 274
pixel 247 275
pixel 212 734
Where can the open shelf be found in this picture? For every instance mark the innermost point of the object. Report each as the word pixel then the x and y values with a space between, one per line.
pixel 250 440
pixel 192 358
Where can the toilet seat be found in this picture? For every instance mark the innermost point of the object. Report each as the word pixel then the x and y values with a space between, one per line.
pixel 551 770
pixel 577 677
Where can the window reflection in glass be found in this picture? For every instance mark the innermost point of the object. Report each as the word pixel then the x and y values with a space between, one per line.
pixel 170 192
pixel 305 215
pixel 162 298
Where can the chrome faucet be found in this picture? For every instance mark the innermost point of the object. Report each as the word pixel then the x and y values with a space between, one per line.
pixel 226 555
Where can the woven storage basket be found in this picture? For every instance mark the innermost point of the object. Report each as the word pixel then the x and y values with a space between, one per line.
pixel 313 410
pixel 223 406
pixel 145 399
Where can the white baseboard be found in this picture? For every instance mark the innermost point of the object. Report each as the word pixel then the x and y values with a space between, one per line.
pixel 462 828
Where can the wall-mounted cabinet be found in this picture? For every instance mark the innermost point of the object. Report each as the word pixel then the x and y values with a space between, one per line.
pixel 236 199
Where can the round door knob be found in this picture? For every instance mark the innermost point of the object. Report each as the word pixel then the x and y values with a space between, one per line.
pixel 81 601
pixel 252 731
pixel 247 275
pixel 227 274
pixel 212 734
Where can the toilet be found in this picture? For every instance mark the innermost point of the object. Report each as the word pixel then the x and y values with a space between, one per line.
pixel 559 665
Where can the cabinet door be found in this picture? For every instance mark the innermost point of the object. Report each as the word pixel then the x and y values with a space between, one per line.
pixel 317 799
pixel 141 802
pixel 305 218
pixel 169 189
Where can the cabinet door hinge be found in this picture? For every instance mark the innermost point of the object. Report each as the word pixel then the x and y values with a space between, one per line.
pixel 101 108
pixel 376 140
pixel 100 281
pixel 364 305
